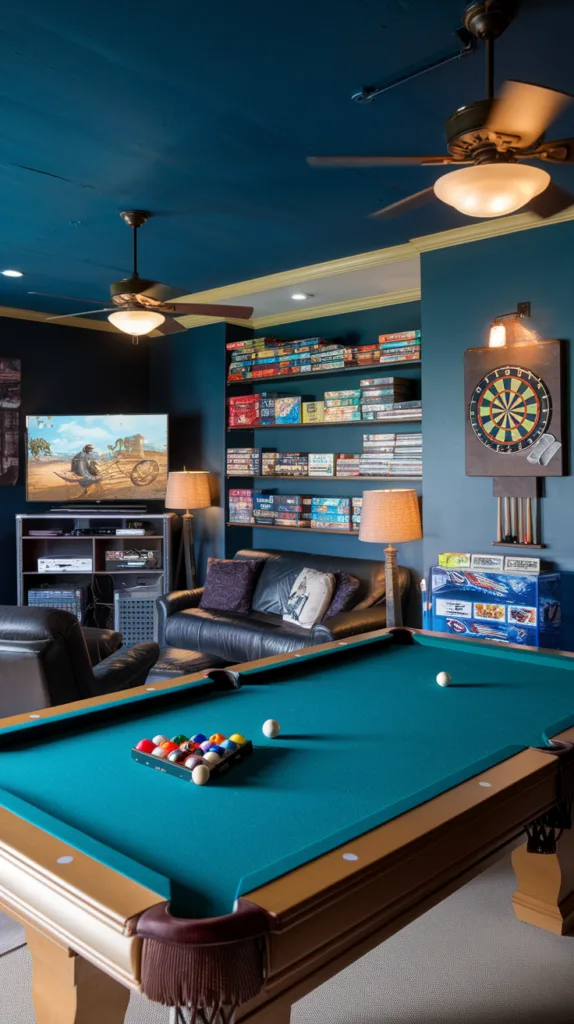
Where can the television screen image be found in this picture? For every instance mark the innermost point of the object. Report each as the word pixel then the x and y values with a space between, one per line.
pixel 96 458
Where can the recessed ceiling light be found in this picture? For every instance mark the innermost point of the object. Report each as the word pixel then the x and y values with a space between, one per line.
pixel 12 273
pixel 300 296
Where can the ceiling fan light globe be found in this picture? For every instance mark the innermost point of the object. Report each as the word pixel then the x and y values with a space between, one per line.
pixel 136 321
pixel 491 190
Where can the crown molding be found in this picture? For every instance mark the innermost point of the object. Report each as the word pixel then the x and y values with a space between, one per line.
pixel 473 232
pixel 488 229
pixel 285 278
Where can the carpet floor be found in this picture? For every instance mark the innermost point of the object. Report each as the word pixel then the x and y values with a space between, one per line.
pixel 467 961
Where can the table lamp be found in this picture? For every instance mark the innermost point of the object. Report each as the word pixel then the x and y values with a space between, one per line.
pixel 388 516
pixel 187 490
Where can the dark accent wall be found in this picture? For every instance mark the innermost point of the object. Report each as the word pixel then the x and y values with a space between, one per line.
pixel 462 289
pixel 187 377
pixel 65 370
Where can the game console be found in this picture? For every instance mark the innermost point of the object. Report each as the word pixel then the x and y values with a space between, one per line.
pixel 62 564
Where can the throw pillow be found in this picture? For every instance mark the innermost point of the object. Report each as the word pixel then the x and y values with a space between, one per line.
pixel 346 587
pixel 310 596
pixel 229 584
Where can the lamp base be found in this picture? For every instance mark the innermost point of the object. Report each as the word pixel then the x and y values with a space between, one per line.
pixel 186 554
pixel 393 598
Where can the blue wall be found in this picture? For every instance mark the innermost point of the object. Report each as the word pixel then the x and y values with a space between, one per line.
pixel 463 288
pixel 187 377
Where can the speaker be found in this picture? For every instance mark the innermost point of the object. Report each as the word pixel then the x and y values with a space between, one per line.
pixel 135 614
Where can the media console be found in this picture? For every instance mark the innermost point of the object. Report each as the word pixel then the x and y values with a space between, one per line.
pixel 64 557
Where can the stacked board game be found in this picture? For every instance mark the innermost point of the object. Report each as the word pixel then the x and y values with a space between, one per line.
pixel 240 505
pixel 342 406
pixel 331 513
pixel 281 509
pixel 243 461
pixel 257 358
pixel 392 455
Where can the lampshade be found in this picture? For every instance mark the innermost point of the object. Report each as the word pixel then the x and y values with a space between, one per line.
pixel 136 321
pixel 187 490
pixel 390 516
pixel 491 190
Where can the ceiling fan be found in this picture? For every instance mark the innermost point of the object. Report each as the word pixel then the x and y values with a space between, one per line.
pixel 491 136
pixel 140 305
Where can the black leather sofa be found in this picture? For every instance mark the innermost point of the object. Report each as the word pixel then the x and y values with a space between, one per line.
pixel 232 637
pixel 46 658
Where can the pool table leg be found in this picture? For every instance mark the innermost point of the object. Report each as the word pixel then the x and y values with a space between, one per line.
pixel 66 989
pixel 545 893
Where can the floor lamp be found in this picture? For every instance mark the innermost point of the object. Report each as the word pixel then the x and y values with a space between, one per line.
pixel 187 490
pixel 387 517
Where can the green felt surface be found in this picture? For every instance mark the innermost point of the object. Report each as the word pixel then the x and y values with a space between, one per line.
pixel 366 734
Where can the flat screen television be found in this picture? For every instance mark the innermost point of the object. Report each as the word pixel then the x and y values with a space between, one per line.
pixel 96 458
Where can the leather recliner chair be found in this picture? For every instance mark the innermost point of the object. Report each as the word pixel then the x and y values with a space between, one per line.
pixel 44 661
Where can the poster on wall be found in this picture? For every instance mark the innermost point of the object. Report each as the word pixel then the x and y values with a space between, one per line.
pixel 9 420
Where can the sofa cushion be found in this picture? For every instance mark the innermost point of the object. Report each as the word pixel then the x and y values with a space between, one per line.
pixel 229 584
pixel 234 636
pixel 310 596
pixel 346 587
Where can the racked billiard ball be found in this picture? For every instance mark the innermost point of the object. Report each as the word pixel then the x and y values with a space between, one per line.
pixel 217 737
pixel 168 746
pixel 215 749
pixel 159 752
pixel 146 746
pixel 238 738
pixel 192 762
pixel 159 739
pixel 211 758
pixel 177 756
pixel 199 737
pixel 180 738
pixel 228 746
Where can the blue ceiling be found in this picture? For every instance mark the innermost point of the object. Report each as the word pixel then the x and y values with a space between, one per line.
pixel 203 112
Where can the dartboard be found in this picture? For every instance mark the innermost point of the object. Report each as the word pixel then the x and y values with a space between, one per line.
pixel 510 409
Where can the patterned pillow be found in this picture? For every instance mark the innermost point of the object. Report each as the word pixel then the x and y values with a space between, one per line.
pixel 230 583
pixel 346 587
pixel 310 597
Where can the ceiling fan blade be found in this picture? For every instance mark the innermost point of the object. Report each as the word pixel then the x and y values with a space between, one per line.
pixel 207 309
pixel 170 326
pixel 73 298
pixel 553 200
pixel 558 151
pixel 378 161
pixel 525 111
pixel 407 204
pixel 85 312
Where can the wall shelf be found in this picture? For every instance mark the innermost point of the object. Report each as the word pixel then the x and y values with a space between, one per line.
pixel 299 529
pixel 346 479
pixel 371 367
pixel 337 423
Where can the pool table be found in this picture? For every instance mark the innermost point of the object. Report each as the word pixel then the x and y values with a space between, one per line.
pixel 382 794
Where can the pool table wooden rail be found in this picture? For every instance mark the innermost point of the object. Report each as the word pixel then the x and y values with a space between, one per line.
pixel 324 914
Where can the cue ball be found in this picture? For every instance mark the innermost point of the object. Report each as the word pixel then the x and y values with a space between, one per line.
pixel 271 728
pixel 200 774
pixel 443 679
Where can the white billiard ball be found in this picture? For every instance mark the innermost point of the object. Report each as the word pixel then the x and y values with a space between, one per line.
pixel 159 752
pixel 200 774
pixel 159 739
pixel 271 728
pixel 443 679
pixel 211 757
